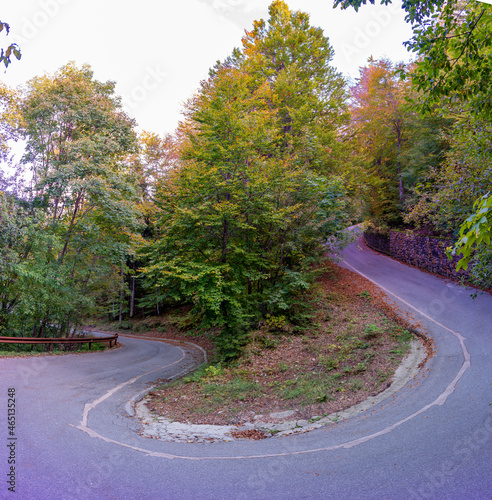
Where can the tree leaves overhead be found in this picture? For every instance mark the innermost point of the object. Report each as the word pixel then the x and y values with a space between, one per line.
pixel 456 56
pixel 453 44
pixel 12 50
pixel 475 231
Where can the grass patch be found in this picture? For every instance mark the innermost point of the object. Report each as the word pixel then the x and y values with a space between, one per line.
pixel 308 389
pixel 232 390
pixel 347 352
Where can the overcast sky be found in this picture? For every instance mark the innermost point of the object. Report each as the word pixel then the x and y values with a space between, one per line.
pixel 157 51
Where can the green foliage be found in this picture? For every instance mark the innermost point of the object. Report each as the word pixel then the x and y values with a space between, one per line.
pixel 197 376
pixel 213 371
pixel 403 336
pixel 360 367
pixel 475 231
pixel 452 41
pixel 12 49
pixel 372 330
pixel 65 243
pixel 245 214
pixel 480 268
pixel 230 344
pixel 205 374
pixel 457 61
pixel 329 362
pixel 394 147
pixel 308 389
pixel 237 390
pixel 365 295
pixel 446 194
pixel 275 323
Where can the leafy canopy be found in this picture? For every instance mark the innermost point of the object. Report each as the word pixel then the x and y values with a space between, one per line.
pixel 12 49
pixel 244 214
pixel 453 43
pixel 77 223
pixel 475 231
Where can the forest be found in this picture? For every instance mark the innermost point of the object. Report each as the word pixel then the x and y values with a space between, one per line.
pixel 277 154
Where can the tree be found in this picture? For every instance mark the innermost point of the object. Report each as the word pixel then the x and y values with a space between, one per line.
pixel 379 126
pixel 156 156
pixel 447 193
pixel 84 220
pixel 14 243
pixel 12 49
pixel 10 119
pixel 294 58
pixel 149 167
pixel 453 72
pixel 394 147
pixel 245 213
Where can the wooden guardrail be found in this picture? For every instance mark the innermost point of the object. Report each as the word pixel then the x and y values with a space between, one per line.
pixel 75 340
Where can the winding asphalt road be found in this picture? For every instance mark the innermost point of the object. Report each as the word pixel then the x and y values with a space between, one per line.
pixel 76 438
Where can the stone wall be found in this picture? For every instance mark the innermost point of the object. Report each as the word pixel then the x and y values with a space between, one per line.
pixel 378 241
pixel 425 252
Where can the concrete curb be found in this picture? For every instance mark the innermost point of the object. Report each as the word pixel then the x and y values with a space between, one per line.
pixel 166 430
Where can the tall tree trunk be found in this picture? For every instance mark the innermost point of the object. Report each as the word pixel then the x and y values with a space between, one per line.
pixel 132 298
pixel 72 224
pixel 122 282
pixel 400 184
pixel 224 240
pixel 41 328
pixel 399 143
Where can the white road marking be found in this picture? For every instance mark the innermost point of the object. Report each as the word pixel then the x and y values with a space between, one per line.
pixel 88 407
pixel 439 401
pixel 461 339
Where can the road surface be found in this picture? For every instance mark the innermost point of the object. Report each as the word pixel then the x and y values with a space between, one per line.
pixel 76 438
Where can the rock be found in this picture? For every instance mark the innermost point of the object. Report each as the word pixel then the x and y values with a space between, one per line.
pixel 282 414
